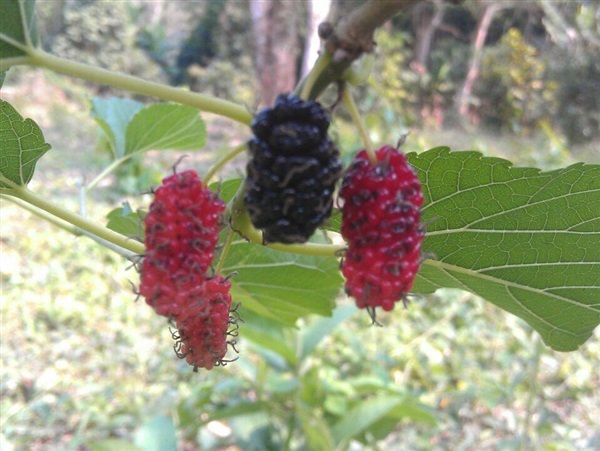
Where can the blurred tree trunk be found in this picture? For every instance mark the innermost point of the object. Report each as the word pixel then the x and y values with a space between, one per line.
pixel 318 11
pixel 425 24
pixel 275 46
pixel 483 26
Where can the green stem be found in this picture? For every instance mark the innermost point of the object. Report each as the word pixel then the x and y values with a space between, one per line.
pixel 223 161
pixel 359 123
pixel 111 167
pixel 7 63
pixel 24 48
pixel 240 223
pixel 86 225
pixel 24 24
pixel 225 251
pixel 139 86
pixel 533 381
pixel 307 85
pixel 43 214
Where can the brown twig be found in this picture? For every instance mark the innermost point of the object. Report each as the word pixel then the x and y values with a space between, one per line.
pixel 352 36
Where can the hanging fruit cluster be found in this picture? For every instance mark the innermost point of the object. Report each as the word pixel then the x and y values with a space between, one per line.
pixel 289 192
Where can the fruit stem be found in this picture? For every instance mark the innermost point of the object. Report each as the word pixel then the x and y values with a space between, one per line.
pixel 24 194
pixel 240 223
pixel 111 167
pixel 359 123
pixel 223 161
pixel 305 86
pixel 139 86
pixel 225 251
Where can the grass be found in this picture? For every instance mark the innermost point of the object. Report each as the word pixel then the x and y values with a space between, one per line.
pixel 82 362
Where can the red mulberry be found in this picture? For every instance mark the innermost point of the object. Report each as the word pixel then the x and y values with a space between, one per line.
pixel 293 170
pixel 203 327
pixel 182 229
pixel 381 224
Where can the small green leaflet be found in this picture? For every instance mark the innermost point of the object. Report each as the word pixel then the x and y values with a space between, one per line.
pixel 17 28
pixel 527 241
pixel 21 146
pixel 129 127
pixel 113 115
pixel 126 221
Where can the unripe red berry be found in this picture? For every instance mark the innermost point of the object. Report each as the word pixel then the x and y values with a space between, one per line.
pixel 381 224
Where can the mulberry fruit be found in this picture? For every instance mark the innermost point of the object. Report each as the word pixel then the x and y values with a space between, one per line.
pixel 381 224
pixel 203 328
pixel 182 229
pixel 293 170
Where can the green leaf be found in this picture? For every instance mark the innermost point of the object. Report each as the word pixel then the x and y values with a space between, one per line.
pixel 367 413
pixel 527 241
pixel 17 28
pixel 2 77
pixel 281 286
pixel 112 444
pixel 125 221
pixel 21 145
pixel 268 335
pixel 412 410
pixel 315 428
pixel 241 409
pixel 114 115
pixel 164 126
pixel 158 434
pixel 311 335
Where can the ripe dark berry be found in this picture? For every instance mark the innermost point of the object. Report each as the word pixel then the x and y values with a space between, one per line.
pixel 182 229
pixel 381 224
pixel 292 172
pixel 203 325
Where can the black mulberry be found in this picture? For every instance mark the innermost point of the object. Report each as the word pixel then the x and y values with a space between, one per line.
pixel 293 169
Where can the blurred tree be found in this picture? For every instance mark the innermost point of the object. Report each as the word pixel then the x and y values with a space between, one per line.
pixel 275 27
pixel 574 59
pixel 485 11
pixel 513 88
pixel 102 33
pixel 317 12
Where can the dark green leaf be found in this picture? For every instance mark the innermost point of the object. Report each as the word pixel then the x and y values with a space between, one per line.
pixel 21 146
pixel 158 434
pixel 114 115
pixel 17 22
pixel 281 286
pixel 165 127
pixel 525 240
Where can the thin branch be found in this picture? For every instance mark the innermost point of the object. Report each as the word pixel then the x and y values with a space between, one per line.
pixel 353 35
